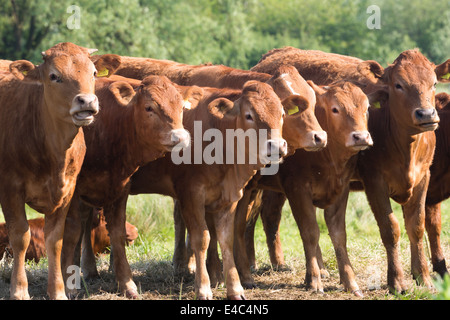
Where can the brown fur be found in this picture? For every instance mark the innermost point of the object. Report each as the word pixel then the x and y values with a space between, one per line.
pixel 208 194
pixel 36 249
pixel 42 151
pixel 205 75
pixel 438 188
pixel 124 137
pixel 313 179
pixel 398 165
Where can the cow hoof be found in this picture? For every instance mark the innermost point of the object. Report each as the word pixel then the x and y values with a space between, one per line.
pixel 131 294
pixel 204 298
pixel 358 293
pixel 236 297
pixel 249 285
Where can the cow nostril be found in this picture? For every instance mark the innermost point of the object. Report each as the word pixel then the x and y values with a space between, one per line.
pixel 356 137
pixel 80 100
pixel 420 113
pixel 317 139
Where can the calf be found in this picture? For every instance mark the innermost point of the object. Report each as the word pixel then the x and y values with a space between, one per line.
pixel 42 109
pixel 317 179
pixel 438 188
pixel 210 192
pixel 36 250
pixel 398 165
pixel 133 128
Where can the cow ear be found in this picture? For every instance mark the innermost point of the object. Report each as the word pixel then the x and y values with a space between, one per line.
pixel 442 100
pixel 317 90
pixel 122 91
pixel 371 70
pixel 25 71
pixel 221 107
pixel 295 104
pixel 106 64
pixel 379 98
pixel 191 97
pixel 443 71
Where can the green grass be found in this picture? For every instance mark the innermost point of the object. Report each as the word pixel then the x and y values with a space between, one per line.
pixel 152 251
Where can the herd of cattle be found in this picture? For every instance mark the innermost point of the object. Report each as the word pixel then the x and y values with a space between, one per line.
pixel 79 133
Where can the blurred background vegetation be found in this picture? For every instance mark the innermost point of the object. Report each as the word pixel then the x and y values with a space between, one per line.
pixel 230 32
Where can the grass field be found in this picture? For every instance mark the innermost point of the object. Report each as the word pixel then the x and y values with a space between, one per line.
pixel 151 255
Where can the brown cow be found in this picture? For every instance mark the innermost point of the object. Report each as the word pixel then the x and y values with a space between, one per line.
pixel 36 249
pixel 303 132
pixel 210 192
pixel 300 129
pixel 205 75
pixel 42 109
pixel 134 127
pixel 397 166
pixel 438 188
pixel 321 67
pixel 316 179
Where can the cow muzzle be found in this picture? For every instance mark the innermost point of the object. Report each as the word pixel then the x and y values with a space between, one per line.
pixel 426 119
pixel 84 108
pixel 316 140
pixel 179 139
pixel 276 149
pixel 359 140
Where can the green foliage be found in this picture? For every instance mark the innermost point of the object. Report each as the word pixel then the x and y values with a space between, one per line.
pixel 442 288
pixel 231 32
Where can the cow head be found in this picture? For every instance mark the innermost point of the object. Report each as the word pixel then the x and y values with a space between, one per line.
pixel 301 128
pixel 410 83
pixel 343 110
pixel 158 112
pixel 258 110
pixel 68 78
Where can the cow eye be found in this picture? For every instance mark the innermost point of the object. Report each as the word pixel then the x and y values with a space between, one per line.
pixel 95 73
pixel 248 117
pixel 398 86
pixel 335 110
pixel 149 109
pixel 54 77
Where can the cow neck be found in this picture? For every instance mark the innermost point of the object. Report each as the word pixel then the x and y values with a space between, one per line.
pixel 404 144
pixel 122 149
pixel 59 133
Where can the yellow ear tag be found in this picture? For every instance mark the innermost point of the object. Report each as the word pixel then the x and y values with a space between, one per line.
pixel 187 105
pixel 376 105
pixel 293 110
pixel 103 73
pixel 446 76
pixel 24 72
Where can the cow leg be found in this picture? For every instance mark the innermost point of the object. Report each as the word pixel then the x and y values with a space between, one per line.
pixel 414 214
pixel 115 215
pixel 305 215
pixel 224 223
pixel 179 259
pixel 335 219
pixel 88 263
pixel 249 236
pixel 54 233
pixel 72 232
pixel 193 211
pixel 271 217
pixel 433 227
pixel 378 197
pixel 240 252
pixel 19 239
pixel 213 263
